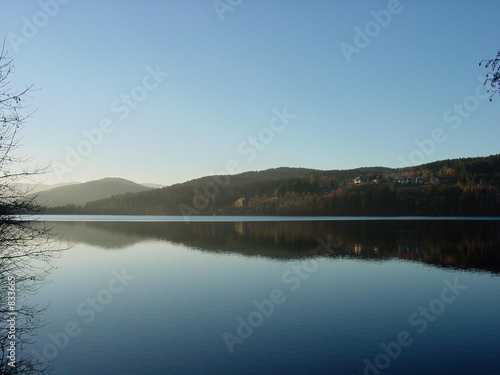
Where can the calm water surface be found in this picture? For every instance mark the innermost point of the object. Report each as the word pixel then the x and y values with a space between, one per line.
pixel 275 297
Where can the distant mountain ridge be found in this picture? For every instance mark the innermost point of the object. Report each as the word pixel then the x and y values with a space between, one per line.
pixel 32 188
pixel 81 193
pixel 152 185
pixel 457 187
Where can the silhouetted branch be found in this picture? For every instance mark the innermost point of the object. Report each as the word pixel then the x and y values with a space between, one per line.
pixel 493 77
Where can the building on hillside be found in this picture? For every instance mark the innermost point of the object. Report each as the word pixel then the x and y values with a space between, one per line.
pixel 240 202
pixel 360 180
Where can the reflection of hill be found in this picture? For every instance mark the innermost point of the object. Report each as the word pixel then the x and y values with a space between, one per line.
pixel 100 236
pixel 458 244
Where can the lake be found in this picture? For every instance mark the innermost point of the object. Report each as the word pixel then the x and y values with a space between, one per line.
pixel 268 296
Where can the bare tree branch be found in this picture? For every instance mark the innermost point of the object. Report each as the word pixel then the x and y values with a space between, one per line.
pixel 492 78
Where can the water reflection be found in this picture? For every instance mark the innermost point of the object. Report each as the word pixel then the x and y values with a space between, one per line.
pixel 470 245
pixel 26 254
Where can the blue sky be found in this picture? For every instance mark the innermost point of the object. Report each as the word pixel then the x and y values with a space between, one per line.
pixel 227 76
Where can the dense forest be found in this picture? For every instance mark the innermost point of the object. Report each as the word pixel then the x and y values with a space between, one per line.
pixel 458 187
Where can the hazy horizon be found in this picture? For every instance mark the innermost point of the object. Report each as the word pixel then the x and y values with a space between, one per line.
pixel 43 181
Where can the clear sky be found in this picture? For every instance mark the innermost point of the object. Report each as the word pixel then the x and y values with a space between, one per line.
pixel 232 68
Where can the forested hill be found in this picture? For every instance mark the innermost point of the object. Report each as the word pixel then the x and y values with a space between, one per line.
pixel 458 187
